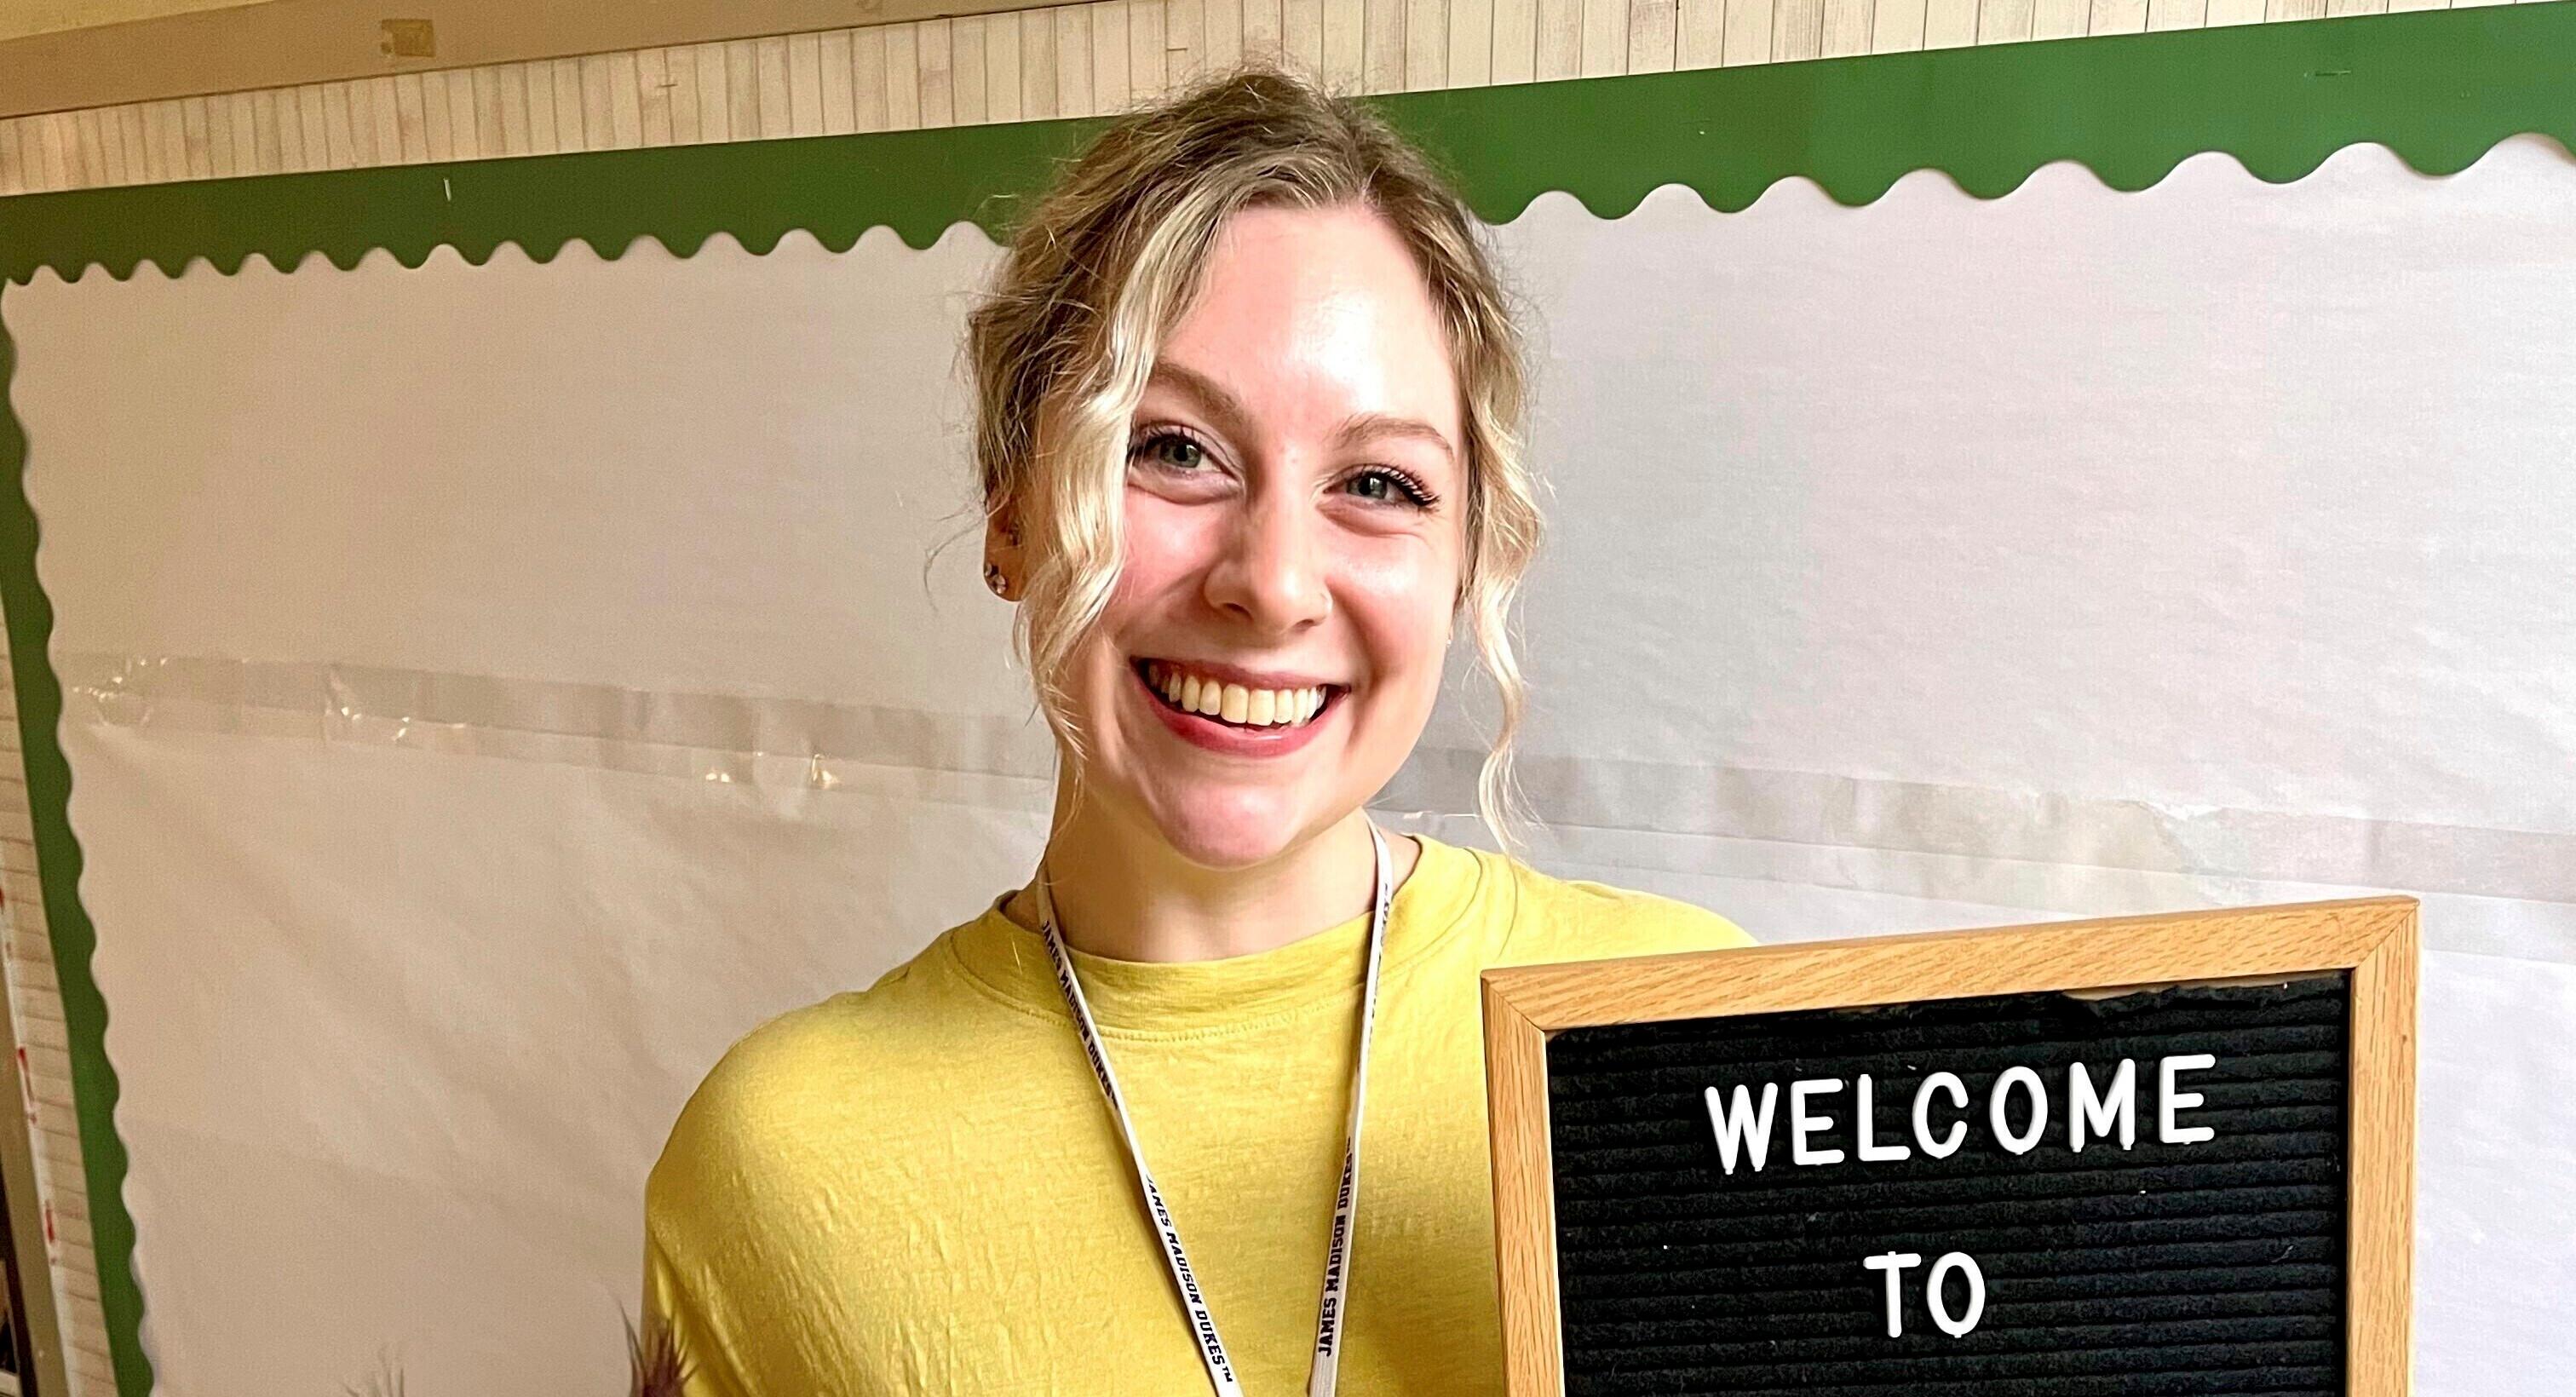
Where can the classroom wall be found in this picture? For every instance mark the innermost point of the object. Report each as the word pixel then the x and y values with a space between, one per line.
pixel 1072 60
pixel 1064 60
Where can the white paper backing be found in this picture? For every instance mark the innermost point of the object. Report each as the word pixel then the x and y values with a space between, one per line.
pixel 495 689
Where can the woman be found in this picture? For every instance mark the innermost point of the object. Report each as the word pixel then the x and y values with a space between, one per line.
pixel 1248 412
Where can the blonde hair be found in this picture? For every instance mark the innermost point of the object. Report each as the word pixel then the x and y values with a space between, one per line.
pixel 1104 265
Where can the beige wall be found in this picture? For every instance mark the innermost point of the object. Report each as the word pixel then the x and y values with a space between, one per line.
pixel 19 18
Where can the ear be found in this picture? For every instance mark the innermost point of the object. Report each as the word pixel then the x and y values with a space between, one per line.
pixel 1005 560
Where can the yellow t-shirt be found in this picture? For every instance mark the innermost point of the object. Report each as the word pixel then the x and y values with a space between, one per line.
pixel 919 1188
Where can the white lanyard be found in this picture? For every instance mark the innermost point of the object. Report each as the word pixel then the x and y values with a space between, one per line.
pixel 1325 1371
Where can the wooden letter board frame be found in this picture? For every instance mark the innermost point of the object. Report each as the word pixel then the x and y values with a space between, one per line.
pixel 2373 939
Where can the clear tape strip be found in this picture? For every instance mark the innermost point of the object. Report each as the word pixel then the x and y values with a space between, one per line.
pixel 1959 843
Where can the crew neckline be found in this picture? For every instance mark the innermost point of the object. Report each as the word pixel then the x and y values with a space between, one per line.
pixel 1181 999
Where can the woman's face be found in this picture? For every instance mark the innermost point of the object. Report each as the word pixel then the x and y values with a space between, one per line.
pixel 1296 486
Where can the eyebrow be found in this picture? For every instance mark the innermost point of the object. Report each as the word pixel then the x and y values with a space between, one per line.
pixel 1235 420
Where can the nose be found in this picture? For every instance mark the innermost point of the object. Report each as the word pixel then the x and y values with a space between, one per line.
pixel 1272 572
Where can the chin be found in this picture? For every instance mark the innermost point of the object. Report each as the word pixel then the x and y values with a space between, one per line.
pixel 1227 831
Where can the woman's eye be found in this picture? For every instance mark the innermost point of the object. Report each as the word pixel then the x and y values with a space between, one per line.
pixel 1385 486
pixel 1173 449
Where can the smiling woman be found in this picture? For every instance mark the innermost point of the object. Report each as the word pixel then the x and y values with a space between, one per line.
pixel 1249 404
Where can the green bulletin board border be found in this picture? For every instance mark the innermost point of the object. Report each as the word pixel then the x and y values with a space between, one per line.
pixel 2439 88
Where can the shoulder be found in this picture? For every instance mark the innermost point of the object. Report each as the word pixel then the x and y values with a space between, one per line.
pixel 794 1086
pixel 1557 919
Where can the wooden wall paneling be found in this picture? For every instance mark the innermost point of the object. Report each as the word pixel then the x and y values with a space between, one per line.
pixel 1184 42
pixel 966 69
pixel 1560 39
pixel 34 155
pixel 1949 24
pixel 62 142
pixel 1265 29
pixel 709 79
pixel 1225 28
pixel 589 76
pixel 483 103
pixel 315 126
pixel 537 83
pixel 1515 43
pixel 1470 61
pixel 1345 44
pixel 1382 46
pixel 680 100
pixel 903 77
pixel 268 154
pixel 653 99
pixel 165 150
pixel 868 79
pixel 1748 32
pixel 129 136
pixel 1301 35
pixel 2063 19
pixel 94 150
pixel 2120 17
pixel 372 102
pixel 832 73
pixel 804 84
pixel 1073 94
pixel 1005 62
pixel 938 39
pixel 1426 45
pixel 188 131
pixel 382 106
pixel 61 156
pixel 1602 51
pixel 555 104
pixel 740 91
pixel 1896 26
pixel 1846 27
pixel 1699 33
pixel 1112 87
pixel 1798 29
pixel 2004 21
pixel 1038 38
pixel 1146 75
pixel 774 103
pixel 624 101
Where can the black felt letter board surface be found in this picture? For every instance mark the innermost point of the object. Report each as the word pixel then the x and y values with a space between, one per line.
pixel 2204 1265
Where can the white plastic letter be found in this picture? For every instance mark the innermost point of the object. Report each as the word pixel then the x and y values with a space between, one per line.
pixel 1870 1152
pixel 2087 1111
pixel 1801 1124
pixel 1742 1129
pixel 2018 1144
pixel 2168 1101
pixel 1958 1092
pixel 1894 1264
pixel 1962 1262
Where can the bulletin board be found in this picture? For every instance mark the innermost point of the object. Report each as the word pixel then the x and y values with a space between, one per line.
pixel 438 755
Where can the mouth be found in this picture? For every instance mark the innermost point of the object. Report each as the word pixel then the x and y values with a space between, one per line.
pixel 1244 707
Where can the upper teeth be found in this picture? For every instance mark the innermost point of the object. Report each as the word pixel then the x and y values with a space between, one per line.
pixel 1233 703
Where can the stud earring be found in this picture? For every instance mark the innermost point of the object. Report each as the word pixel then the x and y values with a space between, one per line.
pixel 994 579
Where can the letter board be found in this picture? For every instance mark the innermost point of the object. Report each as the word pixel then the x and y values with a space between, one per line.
pixel 2155 1155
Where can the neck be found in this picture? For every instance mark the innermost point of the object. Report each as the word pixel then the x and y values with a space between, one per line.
pixel 1130 898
